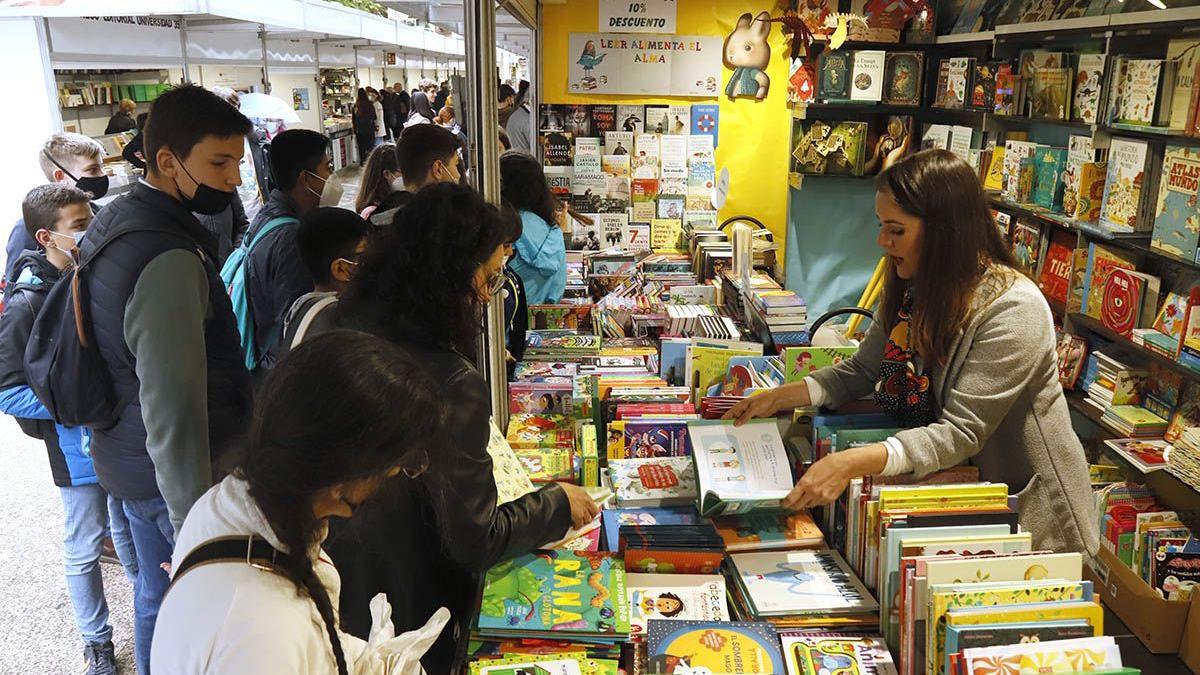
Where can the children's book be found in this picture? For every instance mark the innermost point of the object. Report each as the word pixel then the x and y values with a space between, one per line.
pixel 780 583
pixel 558 595
pixel 1177 213
pixel 1048 184
pixel 1146 454
pixel 1091 191
pixel 739 469
pixel 769 531
pixel 800 362
pixel 734 648
pixel 512 481
pixel 1089 81
pixel 661 481
pixel 852 654
pixel 1055 279
pixel 959 638
pixel 613 519
pixel 1079 150
pixel 1090 654
pixel 1127 165
pixel 695 597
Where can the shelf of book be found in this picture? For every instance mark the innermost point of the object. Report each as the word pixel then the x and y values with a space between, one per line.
pixel 1149 133
pixel 1172 15
pixel 1142 246
pixel 1078 23
pixel 1021 119
pixel 1092 325
pixel 959 38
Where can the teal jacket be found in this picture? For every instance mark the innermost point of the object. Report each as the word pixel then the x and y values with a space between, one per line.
pixel 541 260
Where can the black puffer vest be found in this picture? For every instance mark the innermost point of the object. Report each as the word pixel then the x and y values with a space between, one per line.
pixel 122 463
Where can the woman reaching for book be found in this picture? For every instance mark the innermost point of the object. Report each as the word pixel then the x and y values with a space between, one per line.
pixel 961 353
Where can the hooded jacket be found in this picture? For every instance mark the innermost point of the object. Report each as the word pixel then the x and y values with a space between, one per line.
pixel 67 447
pixel 276 276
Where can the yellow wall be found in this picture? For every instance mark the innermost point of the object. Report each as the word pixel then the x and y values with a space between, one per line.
pixel 754 137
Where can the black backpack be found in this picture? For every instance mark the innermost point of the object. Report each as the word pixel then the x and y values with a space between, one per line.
pixel 63 364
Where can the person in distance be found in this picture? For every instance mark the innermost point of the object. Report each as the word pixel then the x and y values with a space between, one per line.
pixel 961 353
pixel 330 240
pixel 427 541
pixel 380 178
pixel 541 252
pixel 426 154
pixel 337 418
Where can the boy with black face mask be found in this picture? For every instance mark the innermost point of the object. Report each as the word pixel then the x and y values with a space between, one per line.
pixel 162 322
pixel 66 159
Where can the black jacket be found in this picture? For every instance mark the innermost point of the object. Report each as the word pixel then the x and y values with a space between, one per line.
pixel 427 542
pixel 276 275
pixel 516 316
pixel 122 121
pixel 32 279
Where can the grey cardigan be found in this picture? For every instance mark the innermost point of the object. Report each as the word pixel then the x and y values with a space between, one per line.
pixel 1001 407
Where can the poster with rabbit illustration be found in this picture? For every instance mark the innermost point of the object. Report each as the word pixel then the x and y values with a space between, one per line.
pixel 748 52
pixel 656 65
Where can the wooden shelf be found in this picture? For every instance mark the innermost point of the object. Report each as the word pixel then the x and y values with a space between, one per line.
pixel 1093 326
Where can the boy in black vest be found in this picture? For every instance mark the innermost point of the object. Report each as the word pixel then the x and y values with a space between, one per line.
pixel 55 216
pixel 163 324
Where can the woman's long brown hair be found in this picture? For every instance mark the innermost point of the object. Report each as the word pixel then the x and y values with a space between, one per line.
pixel 960 242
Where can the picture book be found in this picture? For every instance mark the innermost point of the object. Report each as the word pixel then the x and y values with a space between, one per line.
pixel 1186 53
pixel 1089 82
pixel 851 654
pixel 613 519
pixel 512 481
pixel 1127 164
pixel 1047 183
pixel 866 83
pixel 1139 98
pixel 1055 278
pixel 994 180
pixel 1079 150
pixel 556 594
pixel 983 87
pixel 1177 213
pixel 695 597
pixel 1187 415
pixel 769 531
pixel 958 74
pixel 550 396
pixel 655 438
pixel 631 119
pixel 800 582
pixel 548 463
pixel 733 647
pixel 1027 245
pixel 1014 152
pixel 834 78
pixel 1005 101
pixel 1145 454
pixel 519 665
pixel 1026 174
pixel 1160 391
pixel 1128 300
pixel 1033 611
pixel 959 638
pixel 800 362
pixel 826 147
pixel 1072 352
pixel 902 78
pixel 661 481
pixel 1102 260
pixel 1050 93
pixel 1090 654
pixel 1091 191
pixel 739 469
pixel 708 360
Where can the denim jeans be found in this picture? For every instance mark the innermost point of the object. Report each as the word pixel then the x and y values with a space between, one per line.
pixel 85 517
pixel 153 539
pixel 118 528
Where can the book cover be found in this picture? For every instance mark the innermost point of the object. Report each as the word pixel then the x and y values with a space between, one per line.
pixel 1055 279
pixel 666 234
pixel 1177 213
pixel 941 91
pixel 994 180
pixel 557 148
pixel 739 469
pixel 902 78
pixel 521 665
pixel 1027 246
pixel 646 153
pixel 512 481
pixel 1026 174
pixel 613 519
pixel 983 89
pixel 1079 150
pixel 706 118
pixel 780 583
pixel 578 120
pixel 734 648
pixel 1123 185
pixel 1014 152
pixel 604 119
pixel 1095 654
pixel 1005 101
pixel 1089 82
pixel 1050 93
pixel 631 119
pixel 683 597
pixel 656 119
pixel 551 117
pixel 1139 97
pixel 832 653
pixel 867 80
pixel 1047 183
pixel 769 531
pixel 1122 301
pixel 1072 352
pixel 1186 52
pixel 959 638
pixel 636 238
pixel 556 594
pixel 545 464
pixel 618 142
pixel 656 439
pixel 664 481
pixel 957 81
pixel 834 79
pixel 678 121
pixel 799 362
pixel 1145 454
pixel 1092 177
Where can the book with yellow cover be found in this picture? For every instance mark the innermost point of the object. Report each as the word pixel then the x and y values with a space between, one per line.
pixel 995 171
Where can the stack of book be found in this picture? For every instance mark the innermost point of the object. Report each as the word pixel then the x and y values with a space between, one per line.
pixel 545 445
pixel 1115 383
pixel 1135 421
pixel 778 316
pixel 1184 460
pixel 686 549
pixel 560 345
pixel 795 589
pixel 1154 542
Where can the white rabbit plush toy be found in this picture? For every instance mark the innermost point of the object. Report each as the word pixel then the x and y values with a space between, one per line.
pixel 748 54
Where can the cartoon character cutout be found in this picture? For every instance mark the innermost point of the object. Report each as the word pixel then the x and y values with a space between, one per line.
pixel 748 53
pixel 589 60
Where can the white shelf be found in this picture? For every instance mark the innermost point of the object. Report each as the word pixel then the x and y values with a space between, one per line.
pixel 982 36
pixel 1155 16
pixel 1078 23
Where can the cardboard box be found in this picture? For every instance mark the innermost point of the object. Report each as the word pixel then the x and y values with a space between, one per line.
pixel 1189 648
pixel 1158 623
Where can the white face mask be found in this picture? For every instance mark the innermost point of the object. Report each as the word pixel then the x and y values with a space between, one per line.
pixel 331 193
pixel 398 184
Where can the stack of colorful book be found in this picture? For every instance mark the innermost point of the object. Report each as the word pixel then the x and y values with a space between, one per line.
pixel 545 444
pixel 560 345
pixel 1115 383
pixel 1135 421
pixel 1184 460
pixel 1153 541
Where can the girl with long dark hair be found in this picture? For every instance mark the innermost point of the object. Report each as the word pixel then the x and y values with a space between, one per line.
pixel 380 178
pixel 426 542
pixel 420 112
pixel 252 589
pixel 363 120
pixel 541 252
pixel 961 353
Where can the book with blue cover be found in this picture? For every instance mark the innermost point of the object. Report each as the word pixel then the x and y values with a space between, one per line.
pixel 613 519
pixel 1177 213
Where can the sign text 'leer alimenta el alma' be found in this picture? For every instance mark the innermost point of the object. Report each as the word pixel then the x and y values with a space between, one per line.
pixel 637 16
pixel 661 65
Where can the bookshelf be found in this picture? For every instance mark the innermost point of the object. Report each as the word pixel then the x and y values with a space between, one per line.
pixel 1092 325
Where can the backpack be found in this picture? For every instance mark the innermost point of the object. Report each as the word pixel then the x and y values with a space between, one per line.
pixel 63 365
pixel 233 275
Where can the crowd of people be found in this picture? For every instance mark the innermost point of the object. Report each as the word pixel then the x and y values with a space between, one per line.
pixel 278 419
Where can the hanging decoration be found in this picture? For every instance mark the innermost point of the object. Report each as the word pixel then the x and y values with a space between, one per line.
pixel 840 23
pixel 748 53
pixel 907 8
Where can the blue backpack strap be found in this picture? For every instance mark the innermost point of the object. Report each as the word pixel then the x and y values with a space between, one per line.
pixel 266 229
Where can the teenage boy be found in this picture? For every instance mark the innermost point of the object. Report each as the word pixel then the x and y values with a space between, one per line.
pixel 163 324
pixel 67 159
pixel 426 154
pixel 55 215
pixel 276 274
pixel 330 242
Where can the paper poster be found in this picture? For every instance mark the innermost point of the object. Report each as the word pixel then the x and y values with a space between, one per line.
pixel 643 16
pixel 660 65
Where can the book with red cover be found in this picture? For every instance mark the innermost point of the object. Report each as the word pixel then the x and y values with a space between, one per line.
pixel 1129 296
pixel 1055 279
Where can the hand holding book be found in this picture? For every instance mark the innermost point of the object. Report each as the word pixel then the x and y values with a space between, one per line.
pixel 770 402
pixel 824 481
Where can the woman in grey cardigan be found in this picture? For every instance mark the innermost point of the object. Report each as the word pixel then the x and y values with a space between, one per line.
pixel 962 354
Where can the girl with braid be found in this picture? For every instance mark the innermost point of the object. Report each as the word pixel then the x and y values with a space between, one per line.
pixel 252 589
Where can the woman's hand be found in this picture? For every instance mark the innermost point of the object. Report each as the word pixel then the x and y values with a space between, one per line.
pixel 583 507
pixel 766 404
pixel 827 478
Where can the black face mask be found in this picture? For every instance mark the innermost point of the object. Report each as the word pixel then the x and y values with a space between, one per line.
pixel 207 201
pixel 96 185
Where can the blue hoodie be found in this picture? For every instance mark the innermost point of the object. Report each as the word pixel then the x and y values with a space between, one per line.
pixel 541 260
